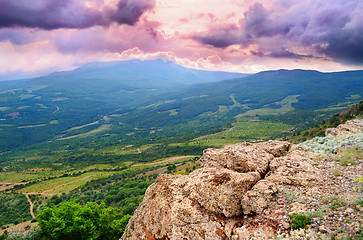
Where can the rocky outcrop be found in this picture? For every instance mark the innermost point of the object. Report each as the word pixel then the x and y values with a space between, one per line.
pixel 243 191
pixel 211 202
pixel 244 157
pixel 350 127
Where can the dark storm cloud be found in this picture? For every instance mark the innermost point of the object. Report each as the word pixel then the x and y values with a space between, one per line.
pixel 288 54
pixel 257 23
pixel 260 23
pixel 49 14
pixel 332 29
pixel 220 37
pixel 129 11
pixel 221 40
pixel 53 14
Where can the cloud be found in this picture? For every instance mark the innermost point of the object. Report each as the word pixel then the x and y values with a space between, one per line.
pixel 54 14
pixel 333 30
pixel 16 36
pixel 283 53
pixel 220 37
pixel 41 36
pixel 129 11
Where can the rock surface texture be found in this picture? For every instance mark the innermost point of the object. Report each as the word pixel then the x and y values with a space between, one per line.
pixel 248 191
pixel 350 127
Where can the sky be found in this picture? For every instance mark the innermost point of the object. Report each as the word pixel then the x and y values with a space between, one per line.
pixel 38 37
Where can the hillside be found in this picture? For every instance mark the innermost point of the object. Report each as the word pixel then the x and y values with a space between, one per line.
pixel 119 175
pixel 291 97
pixel 161 98
pixel 271 92
pixel 319 130
pixel 41 109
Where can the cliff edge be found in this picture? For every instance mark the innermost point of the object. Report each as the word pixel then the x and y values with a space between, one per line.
pixel 254 191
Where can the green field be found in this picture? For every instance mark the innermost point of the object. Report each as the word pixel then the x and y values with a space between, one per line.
pixel 64 183
pixel 15 177
pixel 284 106
pixel 248 129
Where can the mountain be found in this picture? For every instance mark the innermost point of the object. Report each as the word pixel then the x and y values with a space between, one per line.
pixel 135 101
pixel 265 93
pixel 159 73
pixel 122 76
pixel 34 110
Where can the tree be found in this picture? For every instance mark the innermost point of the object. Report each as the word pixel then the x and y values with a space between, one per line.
pixel 70 220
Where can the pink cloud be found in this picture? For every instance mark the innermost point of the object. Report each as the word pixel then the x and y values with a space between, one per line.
pixel 243 36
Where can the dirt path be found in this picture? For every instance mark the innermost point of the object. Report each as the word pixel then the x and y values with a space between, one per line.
pixel 163 161
pixel 56 110
pixel 31 205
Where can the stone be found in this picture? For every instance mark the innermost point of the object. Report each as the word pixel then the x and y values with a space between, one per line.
pixel 349 210
pixel 209 202
pixel 276 148
pixel 323 229
pixel 243 191
pixel 285 225
pixel 350 127
pixel 240 157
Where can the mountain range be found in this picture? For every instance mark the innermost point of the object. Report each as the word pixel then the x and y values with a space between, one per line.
pixel 116 97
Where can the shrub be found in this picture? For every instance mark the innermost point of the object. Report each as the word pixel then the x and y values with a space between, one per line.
pixel 70 220
pixel 300 221
pixel 349 155
pixel 336 172
pixel 350 146
pixel 335 202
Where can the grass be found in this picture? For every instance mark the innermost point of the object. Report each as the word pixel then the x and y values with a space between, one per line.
pixel 340 106
pixel 354 97
pixel 26 96
pixel 173 112
pixel 74 184
pixel 52 185
pixel 99 167
pixel 15 177
pixel 285 106
pixel 97 130
pixel 336 172
pixel 335 202
pixel 32 126
pixel 124 150
pixel 65 184
pixel 349 156
pixel 79 127
pixel 213 142
pixel 251 130
pixel 190 168
pixel 36 88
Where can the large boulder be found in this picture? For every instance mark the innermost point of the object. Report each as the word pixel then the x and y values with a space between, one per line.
pixel 231 197
pixel 244 157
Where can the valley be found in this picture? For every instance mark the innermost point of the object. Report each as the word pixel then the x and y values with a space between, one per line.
pixel 63 142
